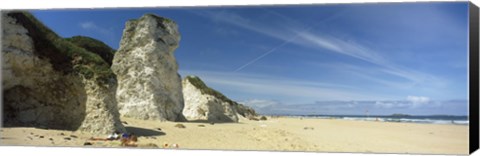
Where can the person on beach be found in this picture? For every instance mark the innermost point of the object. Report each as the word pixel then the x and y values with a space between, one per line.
pixel 125 135
pixel 114 136
pixel 111 137
pixel 129 140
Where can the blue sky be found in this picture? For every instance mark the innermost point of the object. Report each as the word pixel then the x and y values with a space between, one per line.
pixel 340 59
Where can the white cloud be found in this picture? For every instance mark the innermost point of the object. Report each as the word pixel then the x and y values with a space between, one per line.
pixel 392 104
pixel 418 99
pixel 259 103
pixel 89 25
pixel 321 42
pixel 382 104
pixel 411 102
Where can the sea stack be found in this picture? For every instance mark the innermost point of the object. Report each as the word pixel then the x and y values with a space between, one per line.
pixel 149 86
pixel 203 103
pixel 51 83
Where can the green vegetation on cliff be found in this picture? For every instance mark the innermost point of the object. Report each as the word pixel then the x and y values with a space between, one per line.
pixel 62 54
pixel 94 45
pixel 198 83
pixel 241 109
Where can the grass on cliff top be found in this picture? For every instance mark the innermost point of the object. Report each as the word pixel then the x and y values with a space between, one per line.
pixel 197 82
pixel 95 46
pixel 63 55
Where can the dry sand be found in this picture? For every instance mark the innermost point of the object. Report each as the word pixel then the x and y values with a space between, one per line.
pixel 274 134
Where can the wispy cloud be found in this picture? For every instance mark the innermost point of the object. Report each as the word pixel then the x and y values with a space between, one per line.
pixel 349 48
pixel 418 100
pixel 242 22
pixel 286 35
pixel 89 25
pixel 265 54
pixel 382 64
pixel 260 103
pixel 403 84
pixel 325 42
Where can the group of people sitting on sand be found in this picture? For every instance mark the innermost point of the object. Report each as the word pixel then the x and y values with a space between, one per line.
pixel 126 139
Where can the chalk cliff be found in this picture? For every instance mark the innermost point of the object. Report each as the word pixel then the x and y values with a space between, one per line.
pixel 49 82
pixel 149 85
pixel 203 103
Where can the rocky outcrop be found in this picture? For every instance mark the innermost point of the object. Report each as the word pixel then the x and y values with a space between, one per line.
pixel 245 111
pixel 51 83
pixel 205 104
pixel 149 85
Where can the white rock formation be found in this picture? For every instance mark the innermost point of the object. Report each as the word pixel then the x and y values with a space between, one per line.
pixel 205 104
pixel 149 85
pixel 36 94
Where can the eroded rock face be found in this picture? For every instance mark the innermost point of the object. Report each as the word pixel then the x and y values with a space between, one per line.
pixel 36 94
pixel 205 104
pixel 149 85
pixel 245 111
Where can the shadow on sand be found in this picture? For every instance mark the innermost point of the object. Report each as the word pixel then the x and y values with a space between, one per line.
pixel 143 132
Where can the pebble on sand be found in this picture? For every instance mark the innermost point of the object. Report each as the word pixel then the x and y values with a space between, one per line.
pixel 308 128
pixel 87 144
pixel 180 126
pixel 175 145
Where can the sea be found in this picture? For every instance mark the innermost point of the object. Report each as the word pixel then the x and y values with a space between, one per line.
pixel 431 119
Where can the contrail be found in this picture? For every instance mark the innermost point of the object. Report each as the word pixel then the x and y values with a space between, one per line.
pixel 288 41
pixel 273 49
pixel 265 54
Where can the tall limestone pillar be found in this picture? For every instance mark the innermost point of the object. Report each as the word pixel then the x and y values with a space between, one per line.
pixel 149 86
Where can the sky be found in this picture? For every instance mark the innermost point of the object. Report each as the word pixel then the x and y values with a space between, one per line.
pixel 331 59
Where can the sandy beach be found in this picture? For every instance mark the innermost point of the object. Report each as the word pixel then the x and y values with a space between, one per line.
pixel 274 134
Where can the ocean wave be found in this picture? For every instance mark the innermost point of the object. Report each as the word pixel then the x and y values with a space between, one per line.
pixel 422 120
